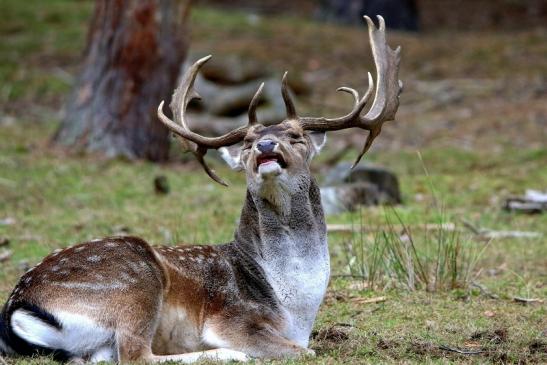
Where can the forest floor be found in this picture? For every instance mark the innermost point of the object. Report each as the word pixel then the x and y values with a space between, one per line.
pixel 474 107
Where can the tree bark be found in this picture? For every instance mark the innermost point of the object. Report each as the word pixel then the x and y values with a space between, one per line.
pixel 132 59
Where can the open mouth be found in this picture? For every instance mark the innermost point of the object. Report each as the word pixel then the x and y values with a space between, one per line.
pixel 271 157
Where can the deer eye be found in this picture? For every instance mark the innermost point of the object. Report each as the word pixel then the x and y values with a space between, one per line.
pixel 294 136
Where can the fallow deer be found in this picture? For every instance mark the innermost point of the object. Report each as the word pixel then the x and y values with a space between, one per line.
pixel 121 299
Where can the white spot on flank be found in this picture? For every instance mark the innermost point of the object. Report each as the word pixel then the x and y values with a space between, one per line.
pixel 78 249
pixel 111 244
pixel 125 276
pixel 182 258
pixel 28 279
pixel 55 268
pixel 94 258
pixel 135 267
pixel 91 286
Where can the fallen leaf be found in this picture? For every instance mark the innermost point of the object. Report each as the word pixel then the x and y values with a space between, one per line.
pixel 489 314
pixel 472 344
pixel 527 300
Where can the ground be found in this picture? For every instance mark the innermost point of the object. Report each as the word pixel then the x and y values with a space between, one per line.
pixel 474 107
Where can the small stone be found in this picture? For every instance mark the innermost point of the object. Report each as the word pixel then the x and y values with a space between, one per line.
pixel 5 255
pixel 364 185
pixel 161 185
pixel 8 221
pixel 4 241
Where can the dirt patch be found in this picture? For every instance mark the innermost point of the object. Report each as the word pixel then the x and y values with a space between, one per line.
pixel 496 336
pixel 538 347
pixel 384 344
pixel 424 349
pixel 334 338
pixel 335 334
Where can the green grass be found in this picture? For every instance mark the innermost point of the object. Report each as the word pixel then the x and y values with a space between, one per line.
pixel 57 199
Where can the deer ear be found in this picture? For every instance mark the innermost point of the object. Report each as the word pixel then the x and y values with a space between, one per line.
pixel 232 156
pixel 318 140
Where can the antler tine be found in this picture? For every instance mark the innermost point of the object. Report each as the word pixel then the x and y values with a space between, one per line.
pixel 181 98
pixel 191 141
pixel 351 91
pixel 289 104
pixel 254 103
pixel 386 99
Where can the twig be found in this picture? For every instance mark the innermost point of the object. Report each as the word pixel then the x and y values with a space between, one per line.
pixel 348 228
pixel 527 300
pixel 463 352
pixel 490 234
pixel 336 276
pixel 368 300
pixel 483 233
pixel 473 228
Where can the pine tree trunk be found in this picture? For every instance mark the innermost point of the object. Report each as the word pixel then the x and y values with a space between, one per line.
pixel 132 60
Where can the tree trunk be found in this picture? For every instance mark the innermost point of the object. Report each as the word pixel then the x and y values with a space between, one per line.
pixel 132 60
pixel 398 14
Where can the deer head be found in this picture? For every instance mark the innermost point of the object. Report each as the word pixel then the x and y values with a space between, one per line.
pixel 283 151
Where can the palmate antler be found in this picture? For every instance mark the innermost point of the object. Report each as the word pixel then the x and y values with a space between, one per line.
pixel 386 99
pixel 383 108
pixel 192 141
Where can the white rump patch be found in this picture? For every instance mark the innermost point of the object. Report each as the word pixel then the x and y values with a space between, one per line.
pixel 79 334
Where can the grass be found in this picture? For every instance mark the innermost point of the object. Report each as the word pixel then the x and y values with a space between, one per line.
pixel 56 200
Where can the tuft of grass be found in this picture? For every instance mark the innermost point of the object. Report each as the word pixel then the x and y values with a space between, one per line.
pixel 429 259
pixel 420 259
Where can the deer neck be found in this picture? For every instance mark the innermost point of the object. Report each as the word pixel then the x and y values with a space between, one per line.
pixel 269 219
pixel 286 237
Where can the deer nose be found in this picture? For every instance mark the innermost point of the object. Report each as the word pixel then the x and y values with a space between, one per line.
pixel 266 146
